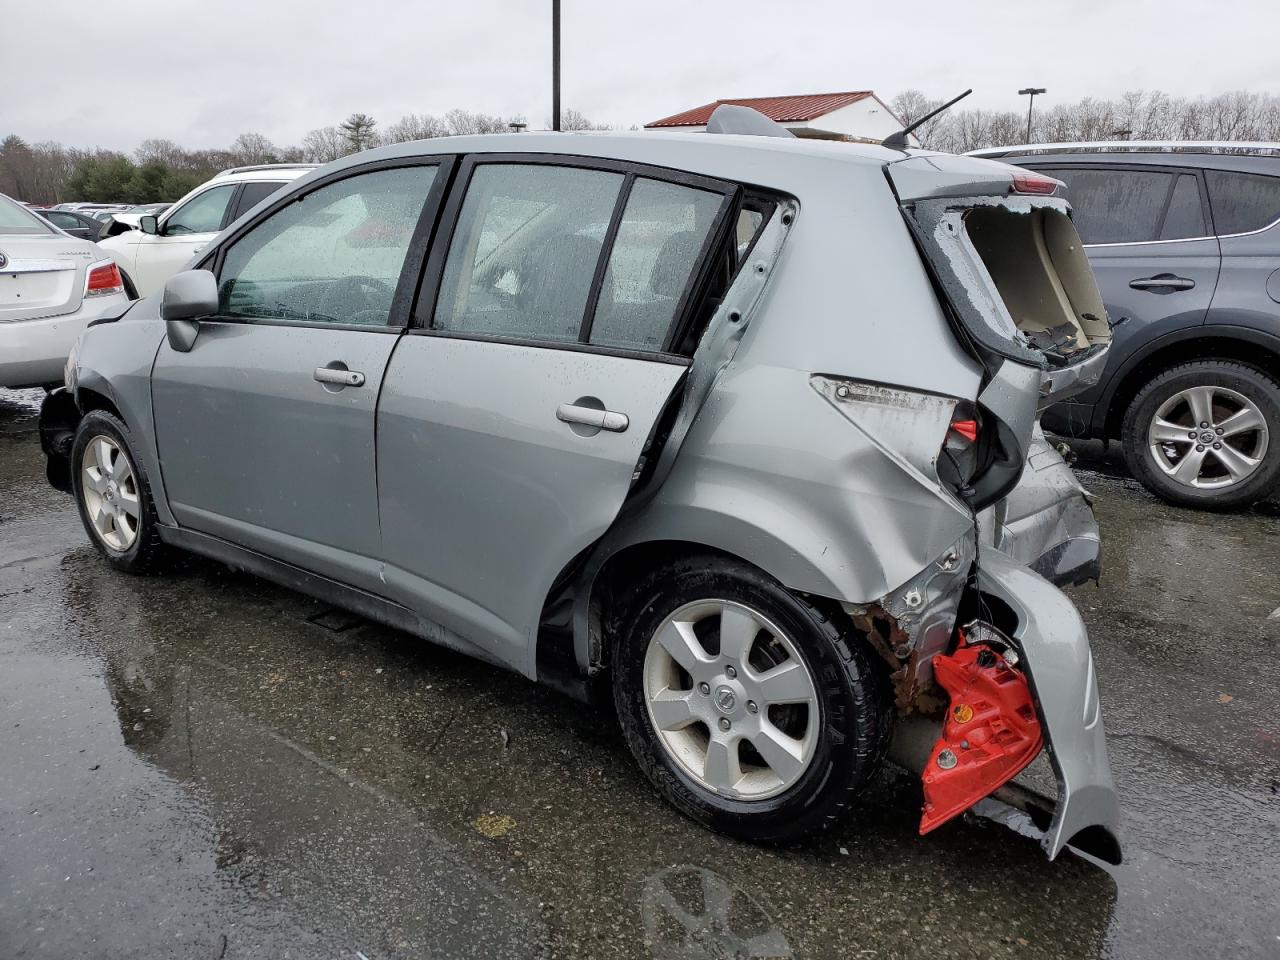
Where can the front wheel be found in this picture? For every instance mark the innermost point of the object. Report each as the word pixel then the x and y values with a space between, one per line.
pixel 749 709
pixel 1206 434
pixel 113 495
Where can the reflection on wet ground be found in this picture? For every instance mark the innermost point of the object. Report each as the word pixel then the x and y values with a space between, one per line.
pixel 206 765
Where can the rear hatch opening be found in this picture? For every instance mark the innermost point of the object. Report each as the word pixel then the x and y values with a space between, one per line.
pixel 1014 270
pixel 1037 264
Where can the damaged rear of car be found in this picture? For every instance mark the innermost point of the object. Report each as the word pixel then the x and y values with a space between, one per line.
pixel 930 322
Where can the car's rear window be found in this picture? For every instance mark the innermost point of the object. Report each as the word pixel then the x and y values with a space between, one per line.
pixel 1242 202
pixel 14 218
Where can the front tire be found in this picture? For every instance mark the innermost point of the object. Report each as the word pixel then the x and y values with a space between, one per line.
pixel 1206 434
pixel 113 495
pixel 748 708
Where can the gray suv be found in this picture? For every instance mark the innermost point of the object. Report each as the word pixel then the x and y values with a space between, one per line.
pixel 724 425
pixel 1185 243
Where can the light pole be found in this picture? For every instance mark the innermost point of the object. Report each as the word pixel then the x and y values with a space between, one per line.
pixel 555 64
pixel 1024 92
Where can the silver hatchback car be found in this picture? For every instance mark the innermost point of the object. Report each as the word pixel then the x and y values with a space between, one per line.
pixel 726 424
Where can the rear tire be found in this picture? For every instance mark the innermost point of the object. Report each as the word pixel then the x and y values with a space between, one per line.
pixel 1230 462
pixel 113 495
pixel 755 759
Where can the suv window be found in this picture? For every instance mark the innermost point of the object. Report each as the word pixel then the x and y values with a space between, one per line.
pixel 1242 202
pixel 663 229
pixel 253 193
pixel 1185 217
pixel 201 214
pixel 524 252
pixel 332 256
pixel 1115 206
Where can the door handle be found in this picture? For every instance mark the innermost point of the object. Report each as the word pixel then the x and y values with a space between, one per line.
pixel 1162 283
pixel 339 376
pixel 593 417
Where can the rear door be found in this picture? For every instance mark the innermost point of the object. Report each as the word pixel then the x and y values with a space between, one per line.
pixel 265 427
pixel 1147 234
pixel 514 416
pixel 1246 217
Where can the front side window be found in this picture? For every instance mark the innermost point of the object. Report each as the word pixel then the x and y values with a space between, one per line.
pixel 1242 202
pixel 524 252
pixel 1116 206
pixel 201 214
pixel 334 255
pixel 663 230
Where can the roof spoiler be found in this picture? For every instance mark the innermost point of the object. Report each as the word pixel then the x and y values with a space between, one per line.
pixel 730 118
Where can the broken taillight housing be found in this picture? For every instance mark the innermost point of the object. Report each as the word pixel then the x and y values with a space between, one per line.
pixel 959 458
pixel 1035 183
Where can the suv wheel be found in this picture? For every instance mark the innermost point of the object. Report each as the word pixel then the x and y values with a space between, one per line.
pixel 113 495
pixel 749 709
pixel 1206 434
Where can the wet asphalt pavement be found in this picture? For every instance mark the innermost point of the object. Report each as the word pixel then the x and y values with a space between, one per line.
pixel 206 766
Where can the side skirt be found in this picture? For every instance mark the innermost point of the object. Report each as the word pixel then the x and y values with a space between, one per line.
pixel 365 604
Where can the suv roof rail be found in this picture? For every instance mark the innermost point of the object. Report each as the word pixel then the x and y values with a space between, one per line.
pixel 266 166
pixel 1225 147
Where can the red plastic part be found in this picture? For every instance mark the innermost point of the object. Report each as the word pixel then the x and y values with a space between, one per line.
pixel 966 428
pixel 991 728
pixel 1034 183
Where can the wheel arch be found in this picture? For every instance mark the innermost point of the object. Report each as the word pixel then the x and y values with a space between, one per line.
pixel 1251 347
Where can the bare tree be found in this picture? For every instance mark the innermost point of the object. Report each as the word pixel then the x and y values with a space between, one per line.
pixel 166 151
pixel 324 144
pixel 251 148
pixel 459 122
pixel 415 127
pixel 571 119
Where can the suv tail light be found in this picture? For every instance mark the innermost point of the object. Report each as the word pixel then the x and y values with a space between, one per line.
pixel 104 279
pixel 1035 183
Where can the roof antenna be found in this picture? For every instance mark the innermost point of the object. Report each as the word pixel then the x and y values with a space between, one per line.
pixel 898 141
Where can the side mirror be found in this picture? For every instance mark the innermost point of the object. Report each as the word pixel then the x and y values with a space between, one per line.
pixel 187 297
pixel 148 224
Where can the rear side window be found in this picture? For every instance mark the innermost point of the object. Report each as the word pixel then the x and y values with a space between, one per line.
pixel 1116 206
pixel 1242 202
pixel 332 256
pixel 203 213
pixel 15 219
pixel 523 255
pixel 663 229
pixel 253 194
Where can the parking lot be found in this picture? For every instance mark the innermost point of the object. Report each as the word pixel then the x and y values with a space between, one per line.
pixel 208 766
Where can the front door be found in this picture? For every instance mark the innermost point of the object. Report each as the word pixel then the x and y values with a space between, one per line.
pixel 1152 251
pixel 183 233
pixel 265 427
pixel 511 426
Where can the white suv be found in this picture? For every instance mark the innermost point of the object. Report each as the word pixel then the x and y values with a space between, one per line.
pixel 157 250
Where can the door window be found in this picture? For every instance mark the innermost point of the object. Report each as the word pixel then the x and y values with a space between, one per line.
pixel 1116 206
pixel 1185 216
pixel 1242 202
pixel 201 214
pixel 332 256
pixel 663 230
pixel 524 252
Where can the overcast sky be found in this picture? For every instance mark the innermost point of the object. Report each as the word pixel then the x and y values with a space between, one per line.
pixel 201 73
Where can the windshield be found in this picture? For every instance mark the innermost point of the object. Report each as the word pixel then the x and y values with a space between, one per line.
pixel 16 219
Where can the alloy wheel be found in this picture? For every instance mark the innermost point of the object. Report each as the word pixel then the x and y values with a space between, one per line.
pixel 110 490
pixel 1208 437
pixel 732 700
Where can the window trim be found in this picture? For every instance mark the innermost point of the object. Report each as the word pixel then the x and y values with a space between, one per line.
pixel 419 242
pixel 422 319
pixel 1172 170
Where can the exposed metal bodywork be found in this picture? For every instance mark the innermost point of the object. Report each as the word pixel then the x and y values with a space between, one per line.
pixel 802 436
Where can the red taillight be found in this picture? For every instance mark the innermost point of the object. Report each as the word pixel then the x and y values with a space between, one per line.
pixel 103 280
pixel 966 428
pixel 1035 183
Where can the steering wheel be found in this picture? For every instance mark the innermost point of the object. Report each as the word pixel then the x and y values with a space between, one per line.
pixel 344 293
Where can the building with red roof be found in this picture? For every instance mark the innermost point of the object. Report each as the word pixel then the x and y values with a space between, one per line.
pixel 852 115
